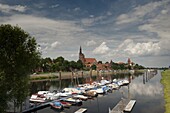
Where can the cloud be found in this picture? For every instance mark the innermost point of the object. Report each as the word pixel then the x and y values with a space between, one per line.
pixel 90 43
pixel 77 9
pixel 102 49
pixel 55 44
pixel 92 20
pixel 141 89
pixel 138 13
pixel 7 8
pixel 139 49
pixel 55 6
pixel 159 25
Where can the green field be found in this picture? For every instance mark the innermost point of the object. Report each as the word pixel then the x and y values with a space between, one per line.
pixel 166 83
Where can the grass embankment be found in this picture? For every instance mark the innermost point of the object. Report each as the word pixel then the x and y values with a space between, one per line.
pixel 166 83
pixel 43 77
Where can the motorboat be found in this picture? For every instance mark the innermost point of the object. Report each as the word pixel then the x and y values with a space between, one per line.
pixel 72 101
pixel 65 104
pixel 125 82
pixel 37 98
pixel 56 105
pixel 90 93
pixel 81 97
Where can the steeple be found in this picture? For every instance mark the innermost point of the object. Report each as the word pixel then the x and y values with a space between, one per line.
pixel 81 56
pixel 80 50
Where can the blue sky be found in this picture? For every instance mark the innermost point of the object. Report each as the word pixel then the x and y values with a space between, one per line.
pixel 106 29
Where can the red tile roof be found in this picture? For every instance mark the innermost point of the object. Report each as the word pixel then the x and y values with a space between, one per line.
pixel 90 60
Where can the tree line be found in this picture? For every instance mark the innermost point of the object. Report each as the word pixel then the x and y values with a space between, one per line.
pixel 61 64
pixel 58 64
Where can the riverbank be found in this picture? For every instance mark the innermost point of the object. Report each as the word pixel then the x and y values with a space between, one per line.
pixel 79 74
pixel 166 83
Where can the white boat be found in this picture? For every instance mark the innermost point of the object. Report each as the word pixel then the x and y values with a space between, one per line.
pixel 82 97
pixel 113 86
pixel 37 98
pixel 98 90
pixel 72 101
pixel 104 82
pixel 72 90
pixel 52 96
pixel 125 82
pixel 43 92
pixel 63 94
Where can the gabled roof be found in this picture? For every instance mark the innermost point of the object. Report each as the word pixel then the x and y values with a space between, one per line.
pixel 90 60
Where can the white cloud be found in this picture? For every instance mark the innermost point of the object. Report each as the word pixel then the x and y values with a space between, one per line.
pixel 159 25
pixel 141 89
pixel 138 13
pixel 55 6
pixel 102 49
pixel 7 8
pixel 91 21
pixel 77 9
pixel 139 49
pixel 55 44
pixel 90 43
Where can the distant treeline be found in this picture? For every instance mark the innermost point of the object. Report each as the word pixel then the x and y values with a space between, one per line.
pixel 61 64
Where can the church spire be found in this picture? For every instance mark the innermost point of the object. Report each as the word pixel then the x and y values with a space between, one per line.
pixel 80 50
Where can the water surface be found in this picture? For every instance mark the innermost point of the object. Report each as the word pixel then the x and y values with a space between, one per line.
pixel 146 89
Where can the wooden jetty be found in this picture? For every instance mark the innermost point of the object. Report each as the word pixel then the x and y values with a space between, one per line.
pixel 130 105
pixel 81 110
pixel 123 105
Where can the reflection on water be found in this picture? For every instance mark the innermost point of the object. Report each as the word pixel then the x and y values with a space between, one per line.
pixel 145 88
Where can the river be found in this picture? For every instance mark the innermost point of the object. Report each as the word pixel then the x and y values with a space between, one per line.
pixel 145 88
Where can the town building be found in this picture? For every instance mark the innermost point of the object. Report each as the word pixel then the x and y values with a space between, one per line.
pixel 88 62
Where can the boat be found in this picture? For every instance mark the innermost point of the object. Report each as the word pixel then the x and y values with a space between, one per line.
pixel 37 98
pixel 51 96
pixel 90 93
pixel 113 86
pixel 65 104
pixel 63 94
pixel 125 82
pixel 56 105
pixel 72 101
pixel 81 97
pixel 72 90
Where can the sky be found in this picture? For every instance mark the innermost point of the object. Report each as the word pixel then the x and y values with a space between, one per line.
pixel 105 29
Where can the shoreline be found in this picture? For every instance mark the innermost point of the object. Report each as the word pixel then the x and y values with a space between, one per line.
pixel 79 74
pixel 166 84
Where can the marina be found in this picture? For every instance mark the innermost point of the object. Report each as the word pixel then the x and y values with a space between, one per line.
pixel 126 98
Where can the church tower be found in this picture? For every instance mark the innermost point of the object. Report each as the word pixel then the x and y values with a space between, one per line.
pixel 81 56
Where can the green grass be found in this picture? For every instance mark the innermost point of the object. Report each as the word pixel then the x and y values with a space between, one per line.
pixel 166 83
pixel 43 77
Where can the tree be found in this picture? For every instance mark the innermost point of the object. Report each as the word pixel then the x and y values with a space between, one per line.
pixel 18 57
pixel 93 67
pixel 79 64
pixel 99 62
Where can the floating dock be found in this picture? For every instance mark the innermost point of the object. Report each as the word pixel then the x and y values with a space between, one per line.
pixel 81 110
pixel 123 105
pixel 130 105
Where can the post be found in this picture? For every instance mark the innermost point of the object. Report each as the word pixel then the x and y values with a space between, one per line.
pixel 90 75
pixel 98 75
pixel 60 79
pixel 82 74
